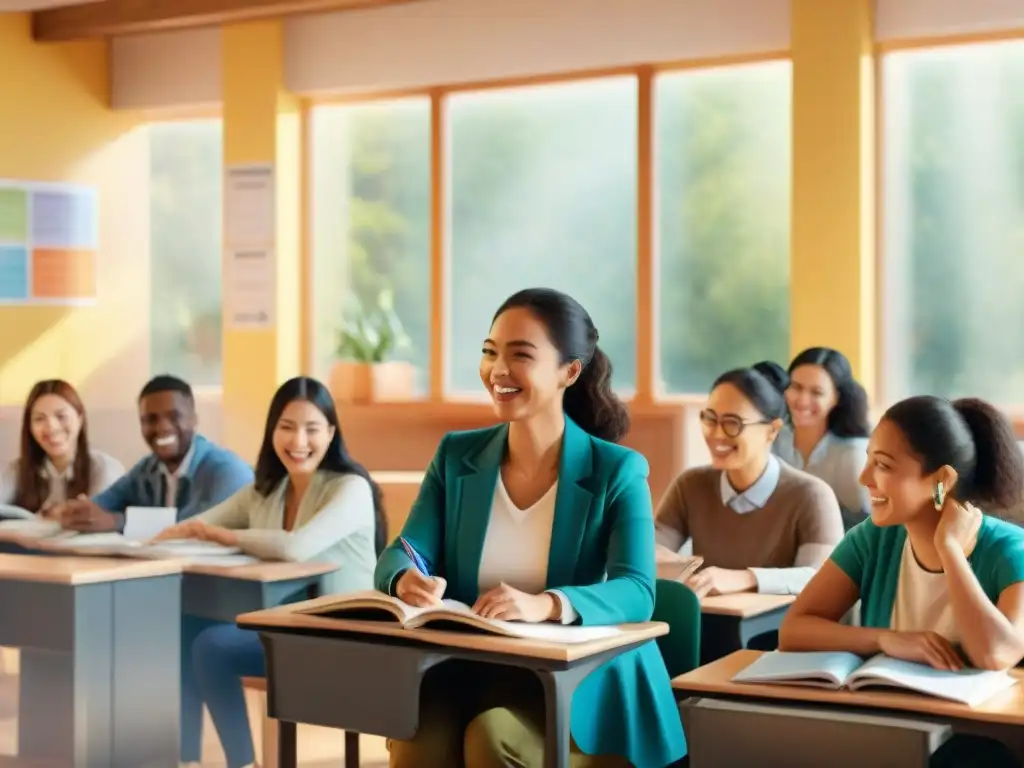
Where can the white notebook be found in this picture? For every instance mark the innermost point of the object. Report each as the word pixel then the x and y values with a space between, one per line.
pixel 836 671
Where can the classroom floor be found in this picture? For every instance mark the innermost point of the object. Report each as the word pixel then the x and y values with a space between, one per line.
pixel 318 747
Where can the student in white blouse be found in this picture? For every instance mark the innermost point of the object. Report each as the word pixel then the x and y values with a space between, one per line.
pixel 311 501
pixel 55 462
pixel 827 433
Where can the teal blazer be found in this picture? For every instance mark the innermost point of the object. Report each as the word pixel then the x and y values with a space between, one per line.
pixel 602 560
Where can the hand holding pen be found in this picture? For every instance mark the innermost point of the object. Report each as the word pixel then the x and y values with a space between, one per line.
pixel 416 586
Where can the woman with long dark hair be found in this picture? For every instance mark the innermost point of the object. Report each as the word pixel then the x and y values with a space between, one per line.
pixel 542 518
pixel 311 501
pixel 828 427
pixel 55 462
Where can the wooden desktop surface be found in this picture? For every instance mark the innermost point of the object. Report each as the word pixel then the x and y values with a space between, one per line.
pixel 744 605
pixel 82 570
pixel 286 617
pixel 1006 707
pixel 266 572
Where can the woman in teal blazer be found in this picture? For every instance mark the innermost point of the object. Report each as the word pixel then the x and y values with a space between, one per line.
pixel 543 518
pixel 940 582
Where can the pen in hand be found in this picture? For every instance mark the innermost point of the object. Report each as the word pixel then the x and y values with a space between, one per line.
pixel 416 586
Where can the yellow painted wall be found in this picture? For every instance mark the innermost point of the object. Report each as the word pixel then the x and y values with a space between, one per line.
pixel 55 126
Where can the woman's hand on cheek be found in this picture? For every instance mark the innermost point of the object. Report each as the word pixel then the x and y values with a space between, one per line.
pixel 508 604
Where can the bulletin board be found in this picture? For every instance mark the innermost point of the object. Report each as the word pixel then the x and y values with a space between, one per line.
pixel 49 243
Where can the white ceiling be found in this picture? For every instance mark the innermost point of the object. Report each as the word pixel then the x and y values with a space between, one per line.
pixel 36 5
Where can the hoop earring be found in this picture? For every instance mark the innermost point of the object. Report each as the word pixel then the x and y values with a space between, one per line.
pixel 940 496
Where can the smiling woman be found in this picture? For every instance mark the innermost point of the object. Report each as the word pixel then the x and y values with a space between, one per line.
pixel 551 523
pixel 759 524
pixel 311 501
pixel 55 461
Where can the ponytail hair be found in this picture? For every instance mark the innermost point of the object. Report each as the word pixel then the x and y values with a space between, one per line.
pixel 590 400
pixel 970 435
pixel 592 404
pixel 763 384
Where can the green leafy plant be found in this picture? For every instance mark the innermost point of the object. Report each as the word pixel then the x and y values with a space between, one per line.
pixel 370 335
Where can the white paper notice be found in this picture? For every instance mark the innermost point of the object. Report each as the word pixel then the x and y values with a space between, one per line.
pixel 250 293
pixel 143 523
pixel 250 290
pixel 249 207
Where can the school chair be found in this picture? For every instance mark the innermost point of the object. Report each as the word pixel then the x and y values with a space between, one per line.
pixel 678 606
pixel 268 732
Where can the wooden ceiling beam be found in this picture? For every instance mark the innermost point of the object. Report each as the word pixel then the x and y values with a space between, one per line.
pixel 127 17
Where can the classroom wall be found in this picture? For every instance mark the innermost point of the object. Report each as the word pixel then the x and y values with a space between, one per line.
pixel 154 71
pixel 458 41
pixel 56 126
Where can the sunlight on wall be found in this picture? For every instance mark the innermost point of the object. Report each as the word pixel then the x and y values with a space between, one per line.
pixel 57 128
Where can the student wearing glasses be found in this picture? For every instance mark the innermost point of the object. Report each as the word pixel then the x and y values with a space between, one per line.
pixel 759 524
pixel 827 433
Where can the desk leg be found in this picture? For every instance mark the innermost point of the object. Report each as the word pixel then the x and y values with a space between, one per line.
pixel 113 699
pixel 559 686
pixel 287 745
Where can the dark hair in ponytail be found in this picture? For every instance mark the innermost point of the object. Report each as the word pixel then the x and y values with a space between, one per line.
pixel 763 384
pixel 973 437
pixel 590 401
pixel 849 417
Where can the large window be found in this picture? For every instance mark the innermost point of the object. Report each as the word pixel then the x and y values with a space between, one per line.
pixel 722 143
pixel 371 216
pixel 953 221
pixel 542 192
pixel 185 249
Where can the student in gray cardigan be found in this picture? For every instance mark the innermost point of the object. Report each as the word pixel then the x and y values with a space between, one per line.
pixel 185 470
pixel 311 501
pixel 827 433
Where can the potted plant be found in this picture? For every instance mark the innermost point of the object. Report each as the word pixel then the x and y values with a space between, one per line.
pixel 362 372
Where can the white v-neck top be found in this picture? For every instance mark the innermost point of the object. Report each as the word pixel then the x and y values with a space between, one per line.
pixel 517 546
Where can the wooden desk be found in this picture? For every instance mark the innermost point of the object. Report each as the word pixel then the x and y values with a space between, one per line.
pixel 222 593
pixel 100 652
pixel 212 592
pixel 1001 717
pixel 314 663
pixel 730 622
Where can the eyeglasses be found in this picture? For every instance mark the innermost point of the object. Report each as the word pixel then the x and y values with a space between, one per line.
pixel 732 426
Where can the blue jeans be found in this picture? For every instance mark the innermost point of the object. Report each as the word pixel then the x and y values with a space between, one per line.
pixel 215 658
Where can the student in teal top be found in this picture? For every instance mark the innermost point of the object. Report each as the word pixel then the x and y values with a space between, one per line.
pixel 542 518
pixel 940 582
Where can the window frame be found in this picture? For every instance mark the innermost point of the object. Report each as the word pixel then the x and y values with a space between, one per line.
pixel 882 50
pixel 192 114
pixel 647 349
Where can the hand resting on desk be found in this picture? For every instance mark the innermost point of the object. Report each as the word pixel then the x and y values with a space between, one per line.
pixel 83 515
pixel 197 529
pixel 502 602
pixel 721 581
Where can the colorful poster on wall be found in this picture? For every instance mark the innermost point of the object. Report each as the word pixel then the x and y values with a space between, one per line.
pixel 49 239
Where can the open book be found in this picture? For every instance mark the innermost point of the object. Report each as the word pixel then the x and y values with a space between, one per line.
pixel 371 605
pixel 117 545
pixel 675 567
pixel 847 670
pixel 11 512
